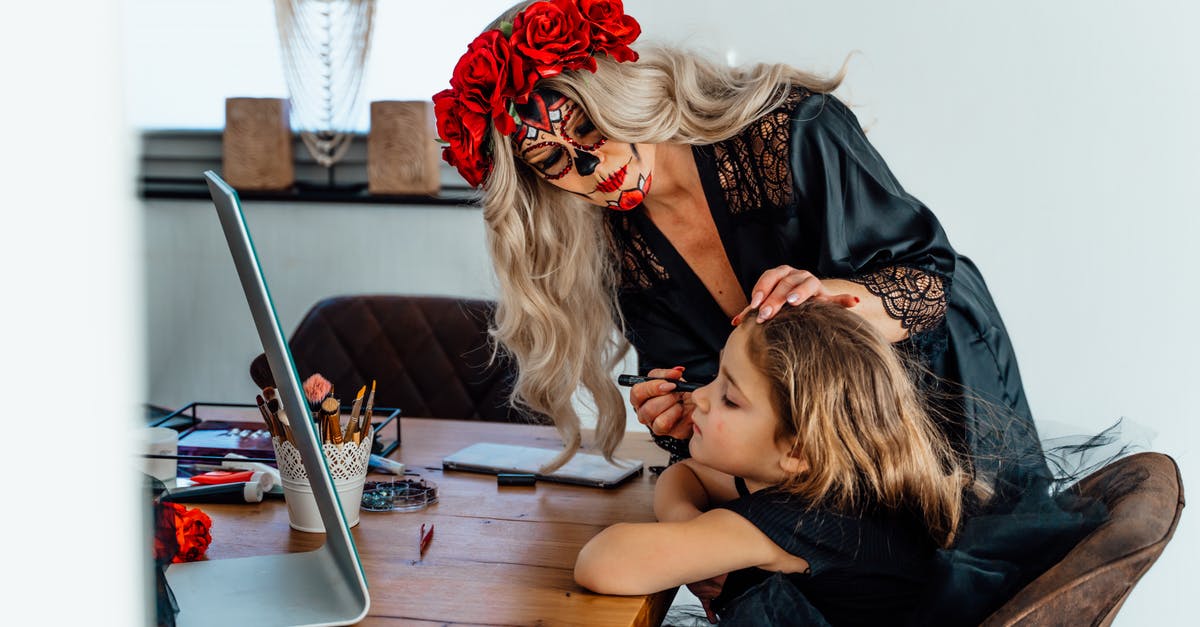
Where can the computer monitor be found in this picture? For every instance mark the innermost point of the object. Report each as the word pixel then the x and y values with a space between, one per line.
pixel 322 587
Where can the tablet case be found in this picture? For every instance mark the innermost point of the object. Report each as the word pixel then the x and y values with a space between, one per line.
pixel 583 469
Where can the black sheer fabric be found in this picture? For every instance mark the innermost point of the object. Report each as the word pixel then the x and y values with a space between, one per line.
pixel 802 186
pixel 917 299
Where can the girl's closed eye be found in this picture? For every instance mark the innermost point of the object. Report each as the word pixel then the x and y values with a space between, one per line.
pixel 728 403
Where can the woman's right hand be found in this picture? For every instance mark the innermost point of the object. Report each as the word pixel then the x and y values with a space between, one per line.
pixel 662 409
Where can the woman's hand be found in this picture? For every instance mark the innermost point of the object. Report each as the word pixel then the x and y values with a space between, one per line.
pixel 658 407
pixel 792 286
pixel 706 591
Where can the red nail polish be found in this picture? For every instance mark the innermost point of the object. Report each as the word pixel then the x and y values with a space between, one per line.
pixel 855 300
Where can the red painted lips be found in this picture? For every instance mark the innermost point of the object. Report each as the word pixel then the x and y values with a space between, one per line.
pixel 613 182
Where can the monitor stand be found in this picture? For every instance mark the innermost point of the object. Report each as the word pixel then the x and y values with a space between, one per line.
pixel 291 589
pixel 322 587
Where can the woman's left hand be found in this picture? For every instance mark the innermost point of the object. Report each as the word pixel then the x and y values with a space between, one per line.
pixel 792 286
pixel 706 591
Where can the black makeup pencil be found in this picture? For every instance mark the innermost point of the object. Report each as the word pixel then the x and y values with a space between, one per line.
pixel 629 380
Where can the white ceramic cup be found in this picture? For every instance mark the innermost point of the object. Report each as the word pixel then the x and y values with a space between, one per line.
pixel 159 441
pixel 303 514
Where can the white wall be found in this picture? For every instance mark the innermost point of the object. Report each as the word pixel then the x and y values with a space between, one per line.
pixel 71 535
pixel 1056 141
pixel 201 337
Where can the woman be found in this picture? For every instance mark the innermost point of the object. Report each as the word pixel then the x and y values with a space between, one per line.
pixel 721 189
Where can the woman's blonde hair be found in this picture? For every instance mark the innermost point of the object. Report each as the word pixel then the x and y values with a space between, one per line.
pixel 557 313
pixel 854 418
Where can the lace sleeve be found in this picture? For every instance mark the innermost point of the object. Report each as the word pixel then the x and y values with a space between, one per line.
pixel 914 297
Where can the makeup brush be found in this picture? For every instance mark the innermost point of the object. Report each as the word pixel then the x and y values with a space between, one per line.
pixel 365 427
pixel 266 416
pixel 331 413
pixel 358 401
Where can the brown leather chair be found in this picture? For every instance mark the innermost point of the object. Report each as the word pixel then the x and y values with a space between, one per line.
pixel 1144 496
pixel 430 355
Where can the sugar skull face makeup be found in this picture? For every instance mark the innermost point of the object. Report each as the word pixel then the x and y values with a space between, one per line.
pixel 558 140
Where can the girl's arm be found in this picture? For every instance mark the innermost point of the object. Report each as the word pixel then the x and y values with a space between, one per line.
pixel 641 558
pixel 688 489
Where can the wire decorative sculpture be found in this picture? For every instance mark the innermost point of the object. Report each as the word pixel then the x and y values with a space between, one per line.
pixel 324 45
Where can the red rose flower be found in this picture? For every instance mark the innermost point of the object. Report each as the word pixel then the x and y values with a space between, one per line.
pixel 473 168
pixel 191 532
pixel 555 36
pixel 612 31
pixel 546 38
pixel 489 75
pixel 465 133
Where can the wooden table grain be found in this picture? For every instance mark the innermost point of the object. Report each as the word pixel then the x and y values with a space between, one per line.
pixel 500 555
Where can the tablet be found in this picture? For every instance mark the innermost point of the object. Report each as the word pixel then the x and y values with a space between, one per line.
pixel 583 469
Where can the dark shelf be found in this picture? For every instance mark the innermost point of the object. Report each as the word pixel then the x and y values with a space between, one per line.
pixel 188 189
pixel 172 163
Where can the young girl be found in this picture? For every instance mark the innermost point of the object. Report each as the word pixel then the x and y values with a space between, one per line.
pixel 812 459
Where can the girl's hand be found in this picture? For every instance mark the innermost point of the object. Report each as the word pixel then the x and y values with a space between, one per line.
pixel 792 286
pixel 658 407
pixel 706 591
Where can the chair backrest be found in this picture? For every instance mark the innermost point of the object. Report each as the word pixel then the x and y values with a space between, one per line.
pixel 430 355
pixel 1144 496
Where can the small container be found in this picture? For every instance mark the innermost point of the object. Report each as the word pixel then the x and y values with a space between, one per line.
pixel 303 514
pixel 347 464
pixel 159 441
pixel 401 495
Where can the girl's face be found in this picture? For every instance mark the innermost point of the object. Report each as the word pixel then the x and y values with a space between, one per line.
pixel 734 421
pixel 558 140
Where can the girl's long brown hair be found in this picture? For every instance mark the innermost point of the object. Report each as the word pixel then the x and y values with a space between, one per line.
pixel 853 416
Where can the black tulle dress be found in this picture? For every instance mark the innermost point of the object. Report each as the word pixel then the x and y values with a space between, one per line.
pixel 802 186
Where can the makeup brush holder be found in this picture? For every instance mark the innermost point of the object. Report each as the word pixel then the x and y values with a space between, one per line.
pixel 347 466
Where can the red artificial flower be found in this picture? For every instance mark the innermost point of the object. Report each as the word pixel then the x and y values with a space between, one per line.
pixel 546 38
pixel 555 36
pixel 191 532
pixel 489 75
pixel 612 31
pixel 465 132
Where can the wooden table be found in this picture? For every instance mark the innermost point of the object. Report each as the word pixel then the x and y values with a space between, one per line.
pixel 500 555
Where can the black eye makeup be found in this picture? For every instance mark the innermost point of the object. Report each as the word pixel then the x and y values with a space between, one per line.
pixel 556 164
pixel 583 134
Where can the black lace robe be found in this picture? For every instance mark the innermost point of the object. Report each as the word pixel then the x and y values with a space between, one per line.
pixel 802 186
